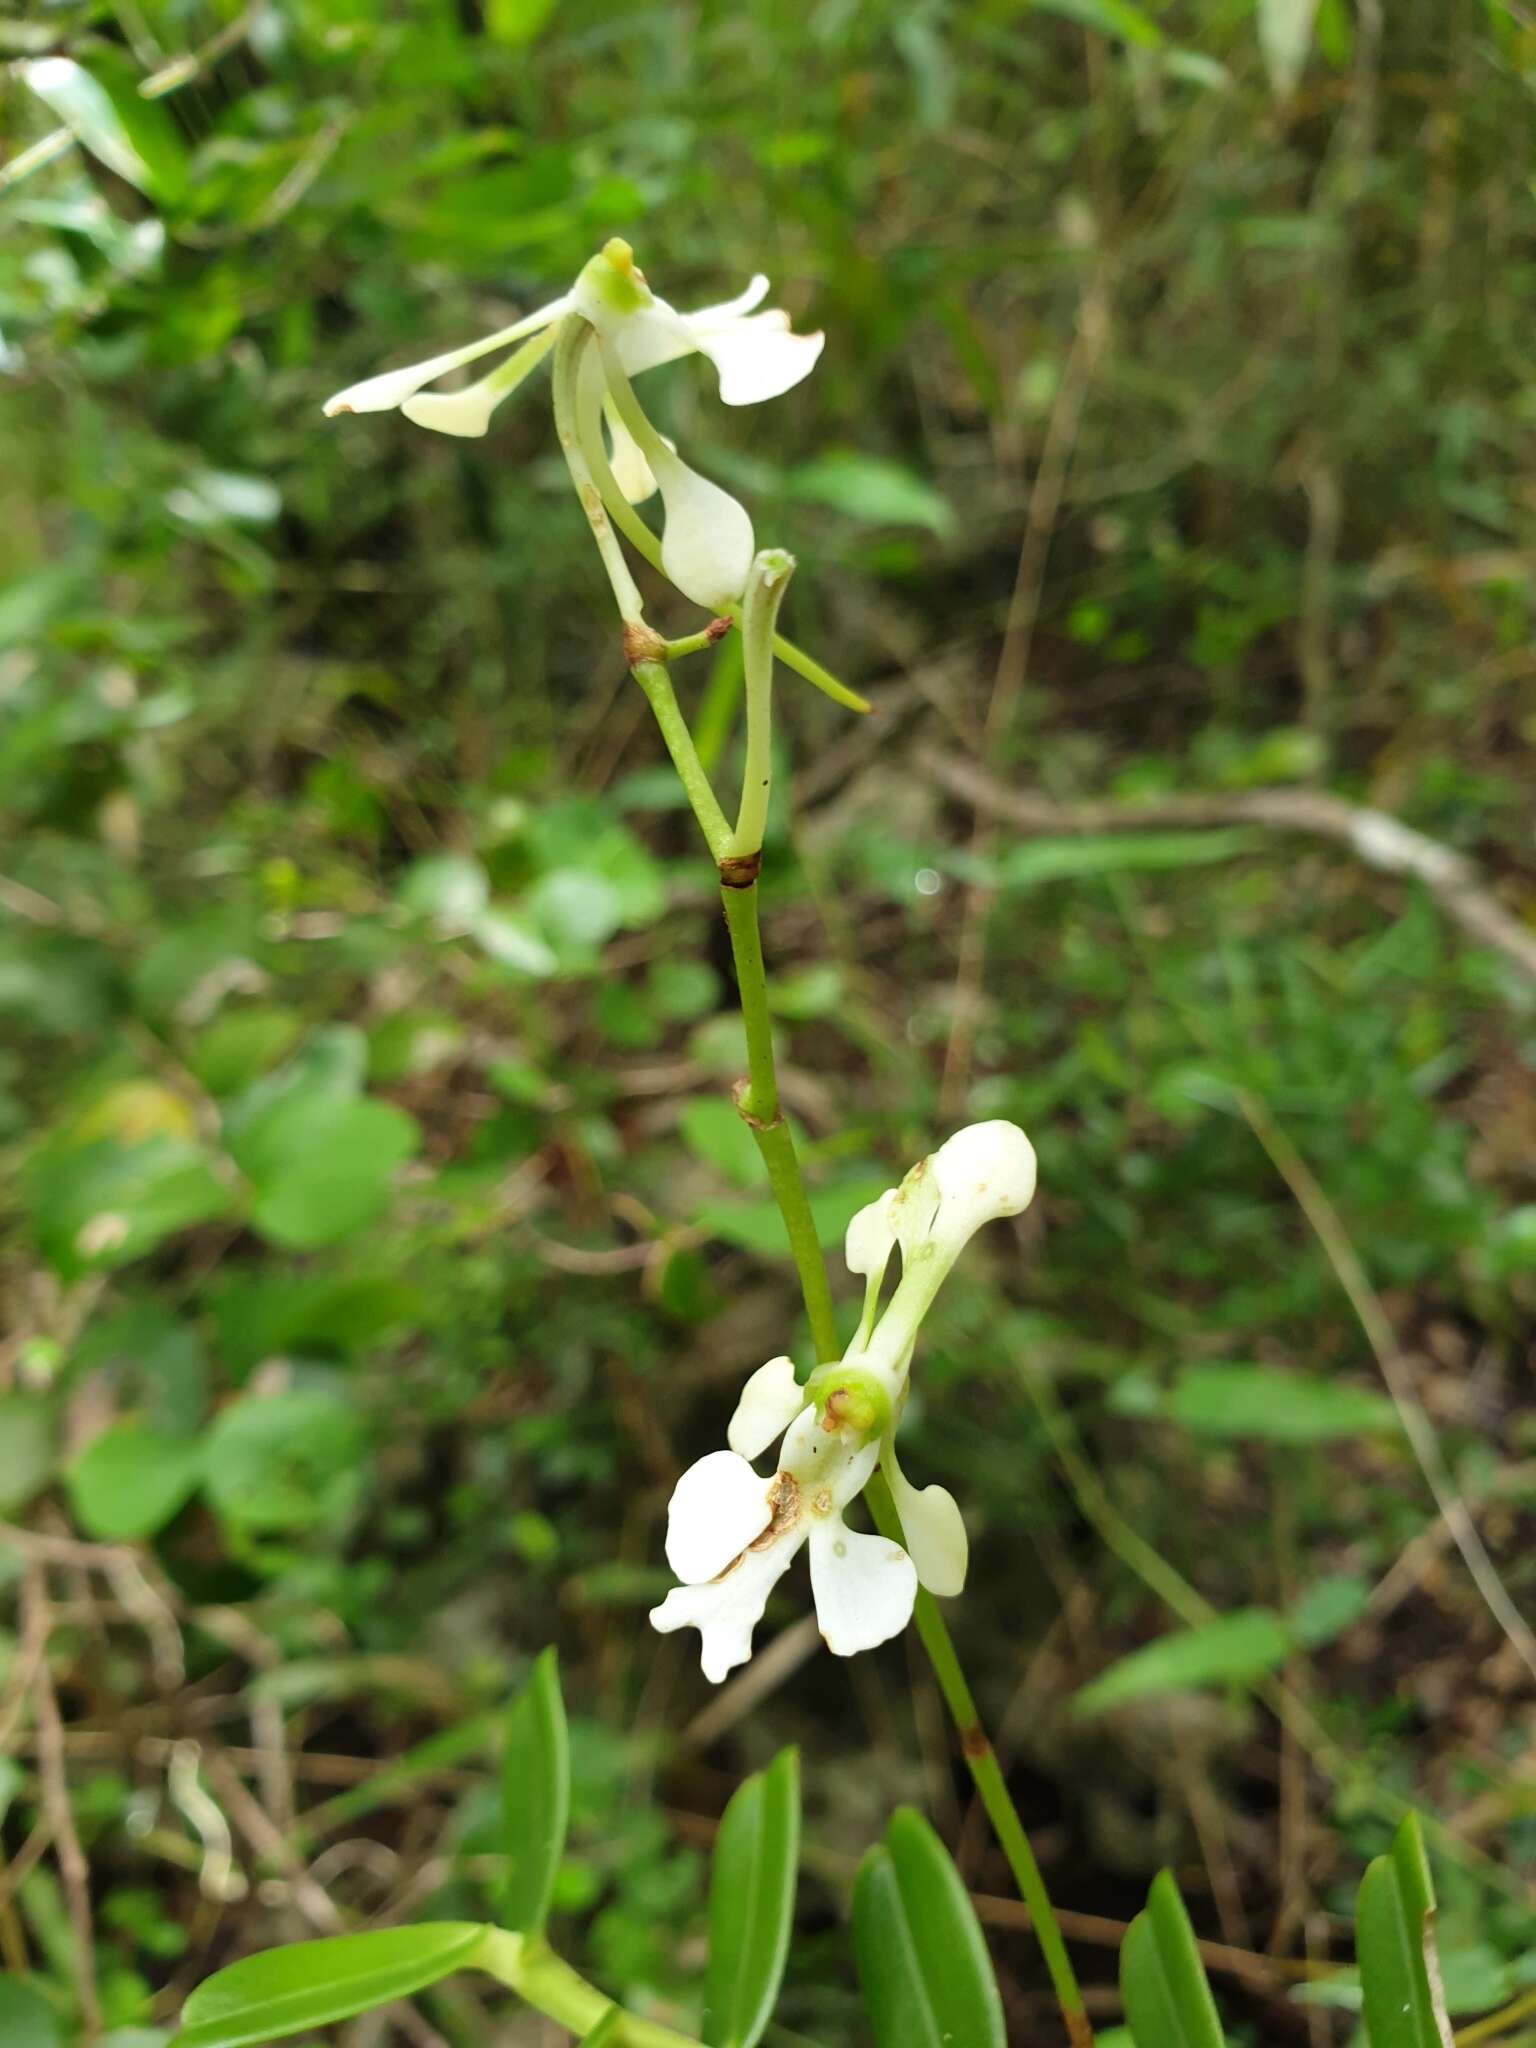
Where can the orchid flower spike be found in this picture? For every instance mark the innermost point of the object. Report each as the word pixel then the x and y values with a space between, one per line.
pixel 732 1534
pixel 707 545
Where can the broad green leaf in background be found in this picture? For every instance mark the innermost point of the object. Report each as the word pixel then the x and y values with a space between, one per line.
pixel 758 1227
pixel 106 1203
pixel 1404 2007
pixel 873 490
pixel 1282 1407
pixel 27 2018
pixel 535 1795
pixel 1234 1649
pixel 923 1965
pixel 314 1983
pixel 130 1480
pixel 26 1448
pixel 322 1165
pixel 1168 2001
pixel 715 1133
pixel 752 1903
pixel 1285 36
pixel 284 1463
pixel 516 22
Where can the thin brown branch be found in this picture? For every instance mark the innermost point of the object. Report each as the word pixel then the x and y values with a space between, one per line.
pixel 1373 836
pixel 74 1871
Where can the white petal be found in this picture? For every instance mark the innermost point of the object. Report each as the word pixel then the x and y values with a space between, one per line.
pixel 392 387
pixel 769 1403
pixel 864 1587
pixel 934 1529
pixel 657 334
pixel 718 1507
pixel 631 472
pixel 706 543
pixel 466 413
pixel 732 309
pixel 757 358
pixel 871 1238
pixel 986 1170
pixel 726 1611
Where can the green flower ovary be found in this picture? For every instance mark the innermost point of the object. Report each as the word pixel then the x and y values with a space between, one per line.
pixel 850 1401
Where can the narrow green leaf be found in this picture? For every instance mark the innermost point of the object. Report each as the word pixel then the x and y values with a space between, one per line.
pixel 1234 1649
pixel 752 1904
pixel 312 1983
pixel 1168 2001
pixel 535 1795
pixel 1281 1407
pixel 923 1966
pixel 1399 1971
pixel 85 108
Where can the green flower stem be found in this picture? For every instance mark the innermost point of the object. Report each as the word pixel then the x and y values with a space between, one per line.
pixel 764 594
pixel 645 543
pixel 758 1103
pixel 573 340
pixel 692 643
pixel 987 1776
pixel 549 1984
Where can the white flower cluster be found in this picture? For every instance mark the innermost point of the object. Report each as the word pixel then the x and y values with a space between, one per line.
pixel 732 1533
pixel 707 541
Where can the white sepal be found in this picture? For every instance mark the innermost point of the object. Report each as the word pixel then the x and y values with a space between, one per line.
pixel 864 1587
pixel 718 1507
pixel 769 1403
pixel 706 544
pixel 933 1526
pixel 390 389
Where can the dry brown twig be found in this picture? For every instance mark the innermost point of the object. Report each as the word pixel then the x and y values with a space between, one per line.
pixel 1373 836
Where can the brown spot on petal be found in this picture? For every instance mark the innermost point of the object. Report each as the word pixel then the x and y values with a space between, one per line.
pixel 784 1509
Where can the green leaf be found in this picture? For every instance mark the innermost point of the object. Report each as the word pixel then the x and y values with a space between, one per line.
pixel 1281 1407
pixel 26 1448
pixel 535 1795
pixel 1108 853
pixel 27 2018
pixel 516 22
pixel 1398 1970
pixel 322 1165
pixel 752 1904
pixel 872 489
pixel 313 1983
pixel 86 108
pixel 130 1480
pixel 106 1203
pixel 1168 2001
pixel 923 1966
pixel 714 1132
pixel 1232 1650
pixel 285 1463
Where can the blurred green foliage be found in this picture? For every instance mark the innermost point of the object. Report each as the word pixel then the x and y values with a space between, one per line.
pixel 374 1239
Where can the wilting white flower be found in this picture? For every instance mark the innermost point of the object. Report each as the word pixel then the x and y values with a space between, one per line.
pixel 732 1534
pixel 707 541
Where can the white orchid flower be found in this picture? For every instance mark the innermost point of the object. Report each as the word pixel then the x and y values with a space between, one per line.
pixel 707 540
pixel 732 1534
